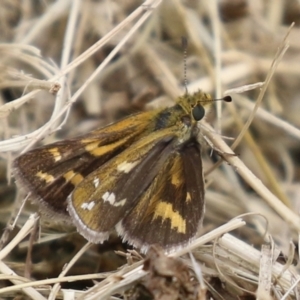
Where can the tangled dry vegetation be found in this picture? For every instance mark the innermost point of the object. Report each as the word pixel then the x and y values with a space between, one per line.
pixel 69 66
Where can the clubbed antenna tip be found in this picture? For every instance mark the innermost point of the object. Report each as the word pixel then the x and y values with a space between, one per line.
pixel 227 98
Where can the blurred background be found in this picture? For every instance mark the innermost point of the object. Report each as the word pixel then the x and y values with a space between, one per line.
pixel 47 94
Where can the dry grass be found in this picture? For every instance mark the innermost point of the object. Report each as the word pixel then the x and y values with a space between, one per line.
pixel 69 66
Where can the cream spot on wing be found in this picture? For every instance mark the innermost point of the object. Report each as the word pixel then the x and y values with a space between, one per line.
pixel 111 198
pixel 45 176
pixel 74 178
pixel 96 182
pixel 126 167
pixel 165 211
pixel 56 154
pixel 188 197
pixel 120 203
pixel 88 205
pixel 105 196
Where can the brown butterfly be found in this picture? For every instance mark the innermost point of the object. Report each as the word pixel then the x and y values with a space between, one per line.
pixel 142 176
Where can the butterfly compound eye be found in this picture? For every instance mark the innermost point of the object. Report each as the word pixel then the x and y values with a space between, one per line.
pixel 198 112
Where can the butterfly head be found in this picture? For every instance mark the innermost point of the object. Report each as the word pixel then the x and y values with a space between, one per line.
pixel 198 104
pixel 195 105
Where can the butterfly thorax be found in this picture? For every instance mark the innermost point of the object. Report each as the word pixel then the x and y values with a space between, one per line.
pixel 184 115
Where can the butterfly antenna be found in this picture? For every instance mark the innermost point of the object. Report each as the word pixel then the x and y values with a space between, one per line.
pixel 225 99
pixel 184 46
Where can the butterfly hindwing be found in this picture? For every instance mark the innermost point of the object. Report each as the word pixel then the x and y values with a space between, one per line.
pixel 171 209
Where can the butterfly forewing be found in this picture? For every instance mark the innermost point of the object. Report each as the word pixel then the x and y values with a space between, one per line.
pixel 51 172
pixel 110 192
